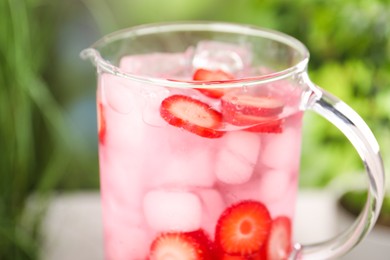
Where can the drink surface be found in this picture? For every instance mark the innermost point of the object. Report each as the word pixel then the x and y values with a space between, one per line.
pixel 197 173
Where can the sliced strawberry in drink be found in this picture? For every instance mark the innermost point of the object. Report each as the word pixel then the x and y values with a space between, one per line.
pixel 205 241
pixel 101 124
pixel 212 76
pixel 234 257
pixel 192 115
pixel 271 127
pixel 213 92
pixel 279 241
pixel 261 106
pixel 178 246
pixel 243 228
pixel 259 114
pixel 255 123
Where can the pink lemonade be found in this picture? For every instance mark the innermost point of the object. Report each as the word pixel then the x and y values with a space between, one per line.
pixel 198 173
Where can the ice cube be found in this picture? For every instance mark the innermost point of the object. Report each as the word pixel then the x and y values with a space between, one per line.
pixel 213 206
pixel 273 185
pixel 172 210
pixel 124 131
pixel 286 204
pixel 116 210
pixel 132 98
pixel 124 242
pixel 282 151
pixel 121 177
pixel 237 157
pixel 278 200
pixel 231 169
pixel 214 55
pixel 159 65
pixel 246 191
pixel 182 160
pixel 151 112
pixel 268 186
pixel 122 95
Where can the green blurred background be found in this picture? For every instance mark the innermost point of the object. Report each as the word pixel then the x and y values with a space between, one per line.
pixel 47 103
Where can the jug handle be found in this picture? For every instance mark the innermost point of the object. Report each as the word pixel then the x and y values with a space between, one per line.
pixel 363 140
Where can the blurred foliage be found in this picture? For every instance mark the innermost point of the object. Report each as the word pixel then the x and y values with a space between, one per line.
pixel 36 148
pixel 47 111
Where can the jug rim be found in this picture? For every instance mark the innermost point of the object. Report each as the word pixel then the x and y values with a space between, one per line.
pixel 94 55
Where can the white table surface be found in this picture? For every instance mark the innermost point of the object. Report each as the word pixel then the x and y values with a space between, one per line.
pixel 73 227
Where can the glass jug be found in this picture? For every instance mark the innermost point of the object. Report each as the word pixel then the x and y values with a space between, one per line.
pixel 199 129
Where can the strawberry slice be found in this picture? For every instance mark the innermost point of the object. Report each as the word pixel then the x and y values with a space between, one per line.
pixel 279 241
pixel 192 115
pixel 259 114
pixel 255 123
pixel 179 246
pixel 243 228
pixel 234 257
pixel 101 121
pixel 208 245
pixel 213 92
pixel 212 76
pixel 261 106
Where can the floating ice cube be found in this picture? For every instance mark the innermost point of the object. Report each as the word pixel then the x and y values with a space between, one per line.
pixel 123 242
pixel 213 206
pixel 273 185
pixel 124 131
pixel 282 151
pixel 122 183
pixel 269 186
pixel 232 169
pixel 129 97
pixel 215 55
pixel 160 65
pixel 274 188
pixel 116 210
pixel 182 162
pixel 172 210
pixel 122 95
pixel 287 203
pixel 246 191
pixel 237 157
pixel 153 97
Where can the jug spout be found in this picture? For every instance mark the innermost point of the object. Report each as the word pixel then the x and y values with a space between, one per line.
pixel 102 65
pixel 91 54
